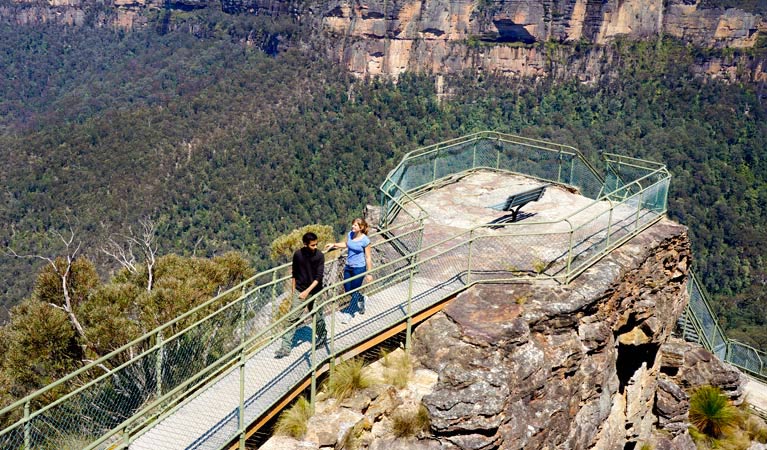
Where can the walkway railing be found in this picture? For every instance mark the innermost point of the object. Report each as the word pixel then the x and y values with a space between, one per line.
pixel 122 397
pixel 707 332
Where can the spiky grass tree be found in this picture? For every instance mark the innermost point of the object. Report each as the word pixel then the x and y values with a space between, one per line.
pixel 711 412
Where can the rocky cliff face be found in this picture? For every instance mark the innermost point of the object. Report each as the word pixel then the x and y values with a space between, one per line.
pixel 580 366
pixel 439 36
pixel 388 37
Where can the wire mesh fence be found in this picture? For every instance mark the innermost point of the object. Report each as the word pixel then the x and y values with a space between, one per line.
pixel 711 336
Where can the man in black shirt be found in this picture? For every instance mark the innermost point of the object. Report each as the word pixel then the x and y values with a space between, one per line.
pixel 307 272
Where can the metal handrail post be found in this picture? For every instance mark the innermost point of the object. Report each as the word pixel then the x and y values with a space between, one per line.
pixel 313 356
pixel 609 226
pixel 434 170
pixel 413 263
pixel 332 337
pixel 569 252
pixel 559 168
pixel 27 428
pixel 125 441
pixel 468 266
pixel 241 418
pixel 474 157
pixel 572 172
pixel 409 326
pixel 158 363
pixel 274 286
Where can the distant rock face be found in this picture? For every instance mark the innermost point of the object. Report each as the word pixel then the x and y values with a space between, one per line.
pixel 448 36
pixel 578 366
pixel 388 37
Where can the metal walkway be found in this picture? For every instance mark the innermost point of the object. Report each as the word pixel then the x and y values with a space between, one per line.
pixel 210 419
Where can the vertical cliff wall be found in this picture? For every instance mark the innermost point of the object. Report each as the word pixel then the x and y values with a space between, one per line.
pixel 578 366
pixel 448 36
pixel 388 37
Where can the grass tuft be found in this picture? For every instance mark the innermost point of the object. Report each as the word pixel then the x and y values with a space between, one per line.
pixel 407 423
pixel 292 422
pixel 348 378
pixel 398 367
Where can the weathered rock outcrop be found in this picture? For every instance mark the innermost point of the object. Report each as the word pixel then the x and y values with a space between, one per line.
pixel 388 37
pixel 578 366
pixel 588 365
pixel 439 36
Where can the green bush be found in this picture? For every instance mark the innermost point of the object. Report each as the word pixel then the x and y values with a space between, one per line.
pixel 284 246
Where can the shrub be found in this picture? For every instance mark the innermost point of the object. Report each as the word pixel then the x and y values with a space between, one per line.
pixel 282 247
pixel 347 378
pixel 292 422
pixel 407 422
pixel 711 412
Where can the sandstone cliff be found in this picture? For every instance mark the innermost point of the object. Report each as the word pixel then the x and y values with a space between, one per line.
pixel 388 37
pixel 591 365
pixel 582 366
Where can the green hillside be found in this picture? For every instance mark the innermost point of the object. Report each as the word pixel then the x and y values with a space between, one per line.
pixel 227 146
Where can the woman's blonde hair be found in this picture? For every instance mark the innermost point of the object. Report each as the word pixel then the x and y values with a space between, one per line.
pixel 362 224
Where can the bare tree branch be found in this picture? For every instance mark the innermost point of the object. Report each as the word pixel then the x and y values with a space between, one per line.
pixel 63 274
pixel 144 240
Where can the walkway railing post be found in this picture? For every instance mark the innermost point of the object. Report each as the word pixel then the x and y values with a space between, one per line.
pixel 609 226
pixel 27 428
pixel 159 362
pixel 241 418
pixel 559 168
pixel 409 302
pixel 569 255
pixel 434 170
pixel 125 438
pixel 274 286
pixel 241 411
pixel 572 171
pixel 468 265
pixel 313 391
pixel 413 263
pixel 474 156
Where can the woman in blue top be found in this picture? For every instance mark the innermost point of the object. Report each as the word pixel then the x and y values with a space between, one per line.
pixel 358 261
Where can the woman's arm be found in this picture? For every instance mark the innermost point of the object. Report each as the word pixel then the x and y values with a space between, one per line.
pixel 334 245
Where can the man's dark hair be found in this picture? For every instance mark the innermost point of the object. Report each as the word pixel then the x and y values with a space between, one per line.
pixel 309 237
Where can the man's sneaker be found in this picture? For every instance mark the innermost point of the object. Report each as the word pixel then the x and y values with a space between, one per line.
pixel 281 353
pixel 362 304
pixel 345 318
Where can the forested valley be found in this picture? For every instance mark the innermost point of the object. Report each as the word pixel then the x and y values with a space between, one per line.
pixel 226 146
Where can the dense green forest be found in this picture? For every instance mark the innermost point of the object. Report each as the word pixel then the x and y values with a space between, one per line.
pixel 226 146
